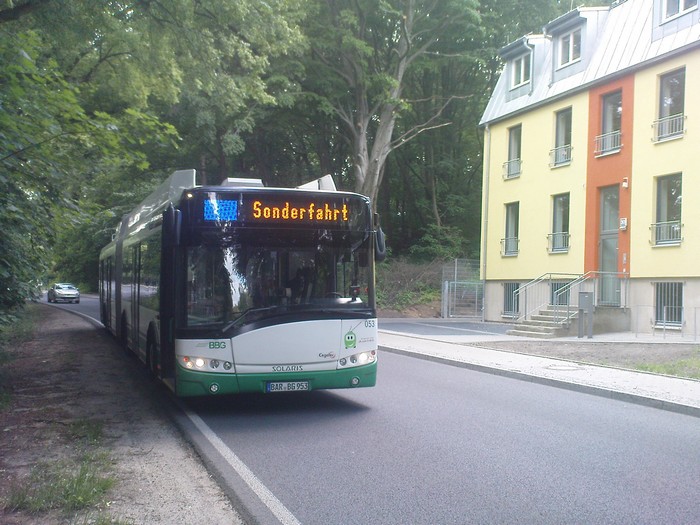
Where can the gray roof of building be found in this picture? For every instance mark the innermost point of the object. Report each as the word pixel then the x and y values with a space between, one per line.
pixel 616 40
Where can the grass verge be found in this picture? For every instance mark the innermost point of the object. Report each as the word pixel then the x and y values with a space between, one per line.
pixel 21 329
pixel 689 368
pixel 66 485
pixel 75 486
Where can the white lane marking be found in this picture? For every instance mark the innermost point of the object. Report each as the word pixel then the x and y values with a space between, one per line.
pixel 261 491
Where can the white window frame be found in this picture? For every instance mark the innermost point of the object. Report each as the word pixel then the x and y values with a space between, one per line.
pixel 610 139
pixel 680 7
pixel 521 69
pixel 568 54
pixel 563 131
pixel 671 112
pixel 667 230
pixel 561 210
pixel 513 166
pixel 512 230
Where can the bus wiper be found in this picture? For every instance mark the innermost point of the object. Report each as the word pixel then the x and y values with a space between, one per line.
pixel 241 319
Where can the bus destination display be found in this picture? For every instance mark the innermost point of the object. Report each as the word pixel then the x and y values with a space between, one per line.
pixel 287 211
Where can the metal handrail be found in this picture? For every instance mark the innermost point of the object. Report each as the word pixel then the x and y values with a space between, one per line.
pixel 668 127
pixel 567 289
pixel 512 168
pixel 608 143
pixel 522 292
pixel 560 156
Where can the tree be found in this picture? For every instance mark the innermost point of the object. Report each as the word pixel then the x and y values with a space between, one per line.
pixel 227 48
pixel 38 120
pixel 362 51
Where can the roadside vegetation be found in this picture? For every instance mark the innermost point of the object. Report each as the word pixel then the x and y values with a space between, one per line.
pixel 21 328
pixel 74 480
pixel 402 283
pixel 689 367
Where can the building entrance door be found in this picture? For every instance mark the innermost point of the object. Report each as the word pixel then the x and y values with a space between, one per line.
pixel 609 287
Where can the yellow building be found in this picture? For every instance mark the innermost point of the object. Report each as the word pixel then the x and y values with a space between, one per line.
pixel 589 148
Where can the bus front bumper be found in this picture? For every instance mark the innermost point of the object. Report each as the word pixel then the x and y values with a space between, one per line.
pixel 191 383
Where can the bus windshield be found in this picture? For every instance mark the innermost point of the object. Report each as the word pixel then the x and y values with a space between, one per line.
pixel 231 284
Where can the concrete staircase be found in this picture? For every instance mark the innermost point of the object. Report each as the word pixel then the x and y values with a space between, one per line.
pixel 541 325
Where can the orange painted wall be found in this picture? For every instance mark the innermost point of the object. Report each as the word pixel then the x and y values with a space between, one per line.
pixel 608 170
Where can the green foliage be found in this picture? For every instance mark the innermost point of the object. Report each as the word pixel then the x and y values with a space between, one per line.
pixel 51 148
pixel 39 119
pixel 402 283
pixel 64 485
pixel 78 244
pixel 440 242
pixel 689 368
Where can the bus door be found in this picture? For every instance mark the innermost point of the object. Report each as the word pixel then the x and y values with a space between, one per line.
pixel 135 283
pixel 106 292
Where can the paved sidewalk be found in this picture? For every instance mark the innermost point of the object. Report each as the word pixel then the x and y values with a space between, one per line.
pixel 668 393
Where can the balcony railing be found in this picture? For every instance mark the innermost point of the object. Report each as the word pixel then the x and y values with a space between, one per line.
pixel 664 233
pixel 509 246
pixel 560 156
pixel 512 168
pixel 558 242
pixel 608 143
pixel 669 127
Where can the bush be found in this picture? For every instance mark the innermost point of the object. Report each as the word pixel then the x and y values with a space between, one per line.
pixel 402 283
pixel 440 242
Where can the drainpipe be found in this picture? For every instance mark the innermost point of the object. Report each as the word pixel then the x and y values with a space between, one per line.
pixel 485 208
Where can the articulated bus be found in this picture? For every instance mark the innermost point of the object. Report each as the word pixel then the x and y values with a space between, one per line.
pixel 243 288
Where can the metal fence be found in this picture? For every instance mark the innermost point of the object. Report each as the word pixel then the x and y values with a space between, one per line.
pixel 462 290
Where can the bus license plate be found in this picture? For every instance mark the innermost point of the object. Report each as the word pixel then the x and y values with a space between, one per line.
pixel 288 386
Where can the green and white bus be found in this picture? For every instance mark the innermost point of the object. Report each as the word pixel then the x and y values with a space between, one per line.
pixel 242 288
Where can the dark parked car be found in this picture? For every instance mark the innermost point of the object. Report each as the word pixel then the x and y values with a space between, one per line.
pixel 63 292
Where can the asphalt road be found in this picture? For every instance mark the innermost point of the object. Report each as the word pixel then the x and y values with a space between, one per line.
pixel 434 443
pixel 440 444
pixel 89 305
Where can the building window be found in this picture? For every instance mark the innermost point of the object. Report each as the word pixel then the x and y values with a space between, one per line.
pixel 509 244
pixel 561 154
pixel 559 238
pixel 610 140
pixel 560 293
pixel 521 70
pixel 570 48
pixel 673 8
pixel 668 304
pixel 671 119
pixel 669 196
pixel 512 167
pixel 511 299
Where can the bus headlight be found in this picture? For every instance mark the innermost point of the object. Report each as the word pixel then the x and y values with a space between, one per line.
pixel 202 363
pixel 363 358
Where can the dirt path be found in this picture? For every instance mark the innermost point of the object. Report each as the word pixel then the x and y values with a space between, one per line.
pixel 72 372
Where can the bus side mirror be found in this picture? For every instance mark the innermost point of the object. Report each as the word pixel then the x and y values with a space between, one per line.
pixel 379 245
pixel 172 219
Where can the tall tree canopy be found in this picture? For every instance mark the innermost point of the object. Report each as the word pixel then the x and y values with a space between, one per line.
pixel 87 97
pixel 361 54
